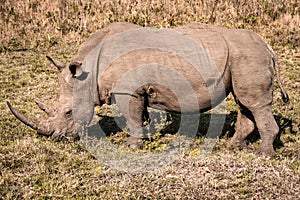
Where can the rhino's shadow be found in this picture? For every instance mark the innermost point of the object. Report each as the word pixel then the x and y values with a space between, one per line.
pixel 110 126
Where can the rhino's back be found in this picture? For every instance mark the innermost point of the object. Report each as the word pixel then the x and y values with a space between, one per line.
pixel 213 47
pixel 101 35
pixel 211 39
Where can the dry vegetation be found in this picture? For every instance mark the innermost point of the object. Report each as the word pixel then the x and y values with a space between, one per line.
pixel 33 167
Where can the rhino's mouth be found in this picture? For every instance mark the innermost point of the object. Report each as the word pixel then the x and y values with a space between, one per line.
pixel 36 124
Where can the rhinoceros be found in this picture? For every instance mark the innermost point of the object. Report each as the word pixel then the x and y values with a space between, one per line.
pixel 244 66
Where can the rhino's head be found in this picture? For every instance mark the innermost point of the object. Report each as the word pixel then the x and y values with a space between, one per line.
pixel 59 122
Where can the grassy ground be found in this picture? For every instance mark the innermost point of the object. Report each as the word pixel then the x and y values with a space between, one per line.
pixel 34 167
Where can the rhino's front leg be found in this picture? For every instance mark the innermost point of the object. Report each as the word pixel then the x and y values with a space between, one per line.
pixel 138 114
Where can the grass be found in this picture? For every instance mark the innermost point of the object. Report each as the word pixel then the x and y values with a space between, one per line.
pixel 34 167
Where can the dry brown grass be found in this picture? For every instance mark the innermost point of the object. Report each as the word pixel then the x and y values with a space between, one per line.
pixel 33 167
pixel 31 24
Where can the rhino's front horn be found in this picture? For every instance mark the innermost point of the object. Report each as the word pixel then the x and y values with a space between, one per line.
pixel 31 122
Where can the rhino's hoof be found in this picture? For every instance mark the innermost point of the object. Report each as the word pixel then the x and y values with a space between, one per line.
pixel 265 151
pixel 134 143
pixel 233 145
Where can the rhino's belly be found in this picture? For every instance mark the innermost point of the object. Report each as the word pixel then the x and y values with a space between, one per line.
pixel 189 100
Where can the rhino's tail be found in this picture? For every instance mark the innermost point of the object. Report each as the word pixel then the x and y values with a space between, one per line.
pixel 284 95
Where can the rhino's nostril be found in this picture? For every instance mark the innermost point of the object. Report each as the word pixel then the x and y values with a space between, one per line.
pixel 68 114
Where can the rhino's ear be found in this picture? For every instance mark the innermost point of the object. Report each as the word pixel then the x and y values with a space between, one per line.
pixel 151 91
pixel 60 65
pixel 75 68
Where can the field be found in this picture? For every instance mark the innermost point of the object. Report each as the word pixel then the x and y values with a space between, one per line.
pixel 36 167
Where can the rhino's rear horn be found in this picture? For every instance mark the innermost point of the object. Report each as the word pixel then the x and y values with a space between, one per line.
pixel 47 109
pixel 29 121
pixel 60 65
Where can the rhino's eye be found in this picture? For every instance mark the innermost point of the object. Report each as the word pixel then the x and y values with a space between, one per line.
pixel 68 114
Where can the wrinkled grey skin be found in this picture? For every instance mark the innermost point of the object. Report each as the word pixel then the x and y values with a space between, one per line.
pixel 247 64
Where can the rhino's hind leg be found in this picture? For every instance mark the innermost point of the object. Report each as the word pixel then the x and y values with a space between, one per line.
pixel 267 127
pixel 244 126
